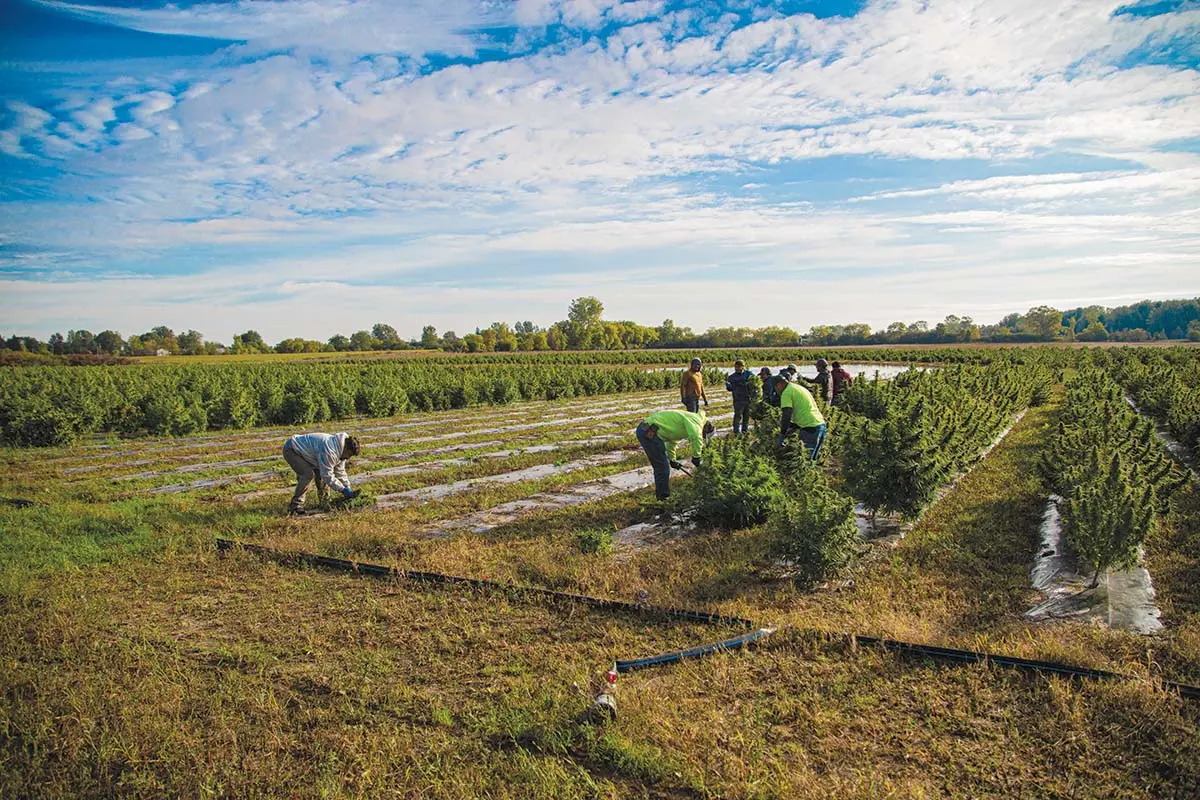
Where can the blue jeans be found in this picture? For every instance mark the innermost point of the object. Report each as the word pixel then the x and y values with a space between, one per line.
pixel 656 451
pixel 812 437
pixel 692 404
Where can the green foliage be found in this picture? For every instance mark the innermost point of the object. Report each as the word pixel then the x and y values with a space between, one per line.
pixel 735 486
pixel 1166 385
pixel 302 404
pixel 1105 519
pixel 175 415
pixel 363 500
pixel 914 434
pixel 895 464
pixel 45 406
pixel 1113 474
pixel 594 541
pixel 39 424
pixel 814 527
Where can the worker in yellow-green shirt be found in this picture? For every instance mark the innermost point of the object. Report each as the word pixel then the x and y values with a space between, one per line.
pixel 800 413
pixel 660 432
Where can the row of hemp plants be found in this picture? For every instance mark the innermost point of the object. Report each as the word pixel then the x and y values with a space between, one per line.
pixel 1111 471
pixel 903 441
pixel 1166 385
pixel 50 406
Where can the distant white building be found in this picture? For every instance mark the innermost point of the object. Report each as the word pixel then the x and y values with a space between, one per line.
pixel 161 352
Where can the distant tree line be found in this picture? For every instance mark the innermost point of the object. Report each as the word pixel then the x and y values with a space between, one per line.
pixel 586 329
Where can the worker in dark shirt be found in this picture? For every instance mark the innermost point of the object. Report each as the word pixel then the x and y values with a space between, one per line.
pixel 823 382
pixel 769 395
pixel 737 383
pixel 841 382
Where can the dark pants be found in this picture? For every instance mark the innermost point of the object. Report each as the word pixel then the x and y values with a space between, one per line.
pixel 838 400
pixel 741 416
pixel 656 451
pixel 813 438
pixel 692 404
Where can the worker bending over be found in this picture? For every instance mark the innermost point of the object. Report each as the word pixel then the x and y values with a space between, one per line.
pixel 800 413
pixel 660 432
pixel 322 456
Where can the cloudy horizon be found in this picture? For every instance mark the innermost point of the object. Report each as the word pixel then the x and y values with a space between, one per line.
pixel 311 167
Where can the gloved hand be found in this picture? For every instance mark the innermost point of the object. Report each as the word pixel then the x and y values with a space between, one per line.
pixel 695 462
pixel 676 465
pixel 350 494
pixel 706 402
pixel 779 440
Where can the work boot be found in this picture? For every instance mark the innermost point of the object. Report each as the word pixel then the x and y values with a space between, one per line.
pixel 295 511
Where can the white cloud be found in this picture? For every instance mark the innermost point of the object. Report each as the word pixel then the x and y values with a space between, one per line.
pixel 330 142
pixel 414 27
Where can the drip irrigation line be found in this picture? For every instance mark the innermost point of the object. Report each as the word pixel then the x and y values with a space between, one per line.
pixel 753 634
pixel 972 657
pixel 380 571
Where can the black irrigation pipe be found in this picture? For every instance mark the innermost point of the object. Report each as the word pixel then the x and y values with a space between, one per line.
pixel 971 657
pixel 379 571
pixel 754 633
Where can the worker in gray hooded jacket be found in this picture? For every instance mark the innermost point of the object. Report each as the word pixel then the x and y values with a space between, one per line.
pixel 322 456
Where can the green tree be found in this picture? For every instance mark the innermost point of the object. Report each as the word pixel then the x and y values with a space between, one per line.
pixel 81 341
pixel 1044 322
pixel 249 342
pixel 583 324
pixel 109 342
pixel 505 339
pixel 429 338
pixel 191 343
pixel 585 311
pixel 386 335
pixel 363 340
pixel 1094 332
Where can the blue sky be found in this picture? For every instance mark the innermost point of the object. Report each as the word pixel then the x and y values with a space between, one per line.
pixel 315 166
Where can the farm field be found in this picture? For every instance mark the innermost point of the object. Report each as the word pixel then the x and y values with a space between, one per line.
pixel 664 355
pixel 138 661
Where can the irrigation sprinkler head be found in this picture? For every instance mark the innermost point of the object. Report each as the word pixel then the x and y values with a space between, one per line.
pixel 603 710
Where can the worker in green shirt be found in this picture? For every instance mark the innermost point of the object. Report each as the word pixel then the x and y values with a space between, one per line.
pixel 800 413
pixel 660 432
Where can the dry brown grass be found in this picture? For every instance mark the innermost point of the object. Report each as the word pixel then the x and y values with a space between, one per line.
pixel 158 669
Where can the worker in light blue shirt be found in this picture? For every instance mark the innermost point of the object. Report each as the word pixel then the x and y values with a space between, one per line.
pixel 321 457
